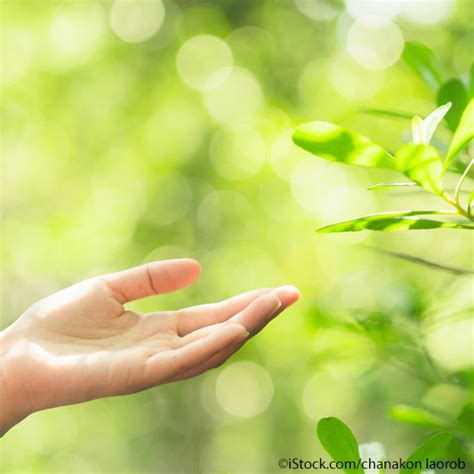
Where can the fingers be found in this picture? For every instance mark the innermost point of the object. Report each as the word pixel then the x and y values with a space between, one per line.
pixel 258 314
pixel 196 317
pixel 215 361
pixel 254 318
pixel 152 279
pixel 164 366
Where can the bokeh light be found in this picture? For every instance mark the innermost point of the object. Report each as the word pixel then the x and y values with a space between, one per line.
pixel 204 62
pixel 427 13
pixel 319 10
pixel 75 35
pixel 375 44
pixel 244 389
pixel 136 21
pixel 237 153
pixel 141 130
pixel 363 9
pixel 237 99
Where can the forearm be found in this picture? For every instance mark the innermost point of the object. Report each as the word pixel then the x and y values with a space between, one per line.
pixel 11 412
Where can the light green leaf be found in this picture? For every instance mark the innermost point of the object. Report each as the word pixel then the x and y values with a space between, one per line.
pixel 462 136
pixel 431 122
pixel 423 62
pixel 335 143
pixel 389 185
pixel 455 92
pixel 337 439
pixel 422 164
pixel 432 448
pixel 386 113
pixel 416 416
pixel 417 131
pixel 394 221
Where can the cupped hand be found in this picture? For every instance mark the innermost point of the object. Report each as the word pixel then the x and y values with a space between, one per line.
pixel 82 343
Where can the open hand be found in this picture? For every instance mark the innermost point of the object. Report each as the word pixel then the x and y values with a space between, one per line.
pixel 82 343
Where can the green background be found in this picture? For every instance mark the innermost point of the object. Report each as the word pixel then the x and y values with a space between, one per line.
pixel 113 155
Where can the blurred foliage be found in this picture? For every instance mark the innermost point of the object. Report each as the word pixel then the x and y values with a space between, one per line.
pixel 135 131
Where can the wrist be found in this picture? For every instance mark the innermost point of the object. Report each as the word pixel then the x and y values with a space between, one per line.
pixel 12 410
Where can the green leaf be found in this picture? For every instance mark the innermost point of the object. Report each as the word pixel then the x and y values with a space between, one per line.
pixel 335 143
pixel 462 136
pixel 431 449
pixel 339 442
pixel 423 62
pixel 465 421
pixel 423 130
pixel 417 131
pixel 422 164
pixel 386 113
pixel 389 185
pixel 393 221
pixel 455 92
pixel 416 416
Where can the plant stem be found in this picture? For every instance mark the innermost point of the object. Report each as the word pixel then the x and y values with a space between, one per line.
pixel 461 180
pixel 449 199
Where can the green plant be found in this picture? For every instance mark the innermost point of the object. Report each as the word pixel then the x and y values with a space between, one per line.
pixel 341 445
pixel 419 161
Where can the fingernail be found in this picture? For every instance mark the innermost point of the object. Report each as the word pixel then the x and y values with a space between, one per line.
pixel 272 313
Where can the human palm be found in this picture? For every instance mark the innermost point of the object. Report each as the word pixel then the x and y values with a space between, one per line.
pixel 82 343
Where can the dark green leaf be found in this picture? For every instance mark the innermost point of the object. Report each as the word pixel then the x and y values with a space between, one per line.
pixel 392 221
pixel 423 62
pixel 462 136
pixel 335 143
pixel 432 448
pixel 386 113
pixel 416 416
pixel 337 439
pixel 455 92
pixel 422 164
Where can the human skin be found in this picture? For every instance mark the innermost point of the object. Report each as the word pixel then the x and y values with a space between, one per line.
pixel 82 343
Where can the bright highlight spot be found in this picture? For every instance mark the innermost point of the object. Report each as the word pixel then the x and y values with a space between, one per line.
pixel 244 389
pixel 74 35
pixel 374 44
pixel 318 10
pixel 237 153
pixel 204 62
pixel 427 12
pixel 237 99
pixel 136 21
pixel 361 9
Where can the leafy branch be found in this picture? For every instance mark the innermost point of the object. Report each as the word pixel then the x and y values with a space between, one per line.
pixel 418 160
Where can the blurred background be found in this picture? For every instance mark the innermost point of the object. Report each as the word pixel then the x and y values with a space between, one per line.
pixel 143 130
